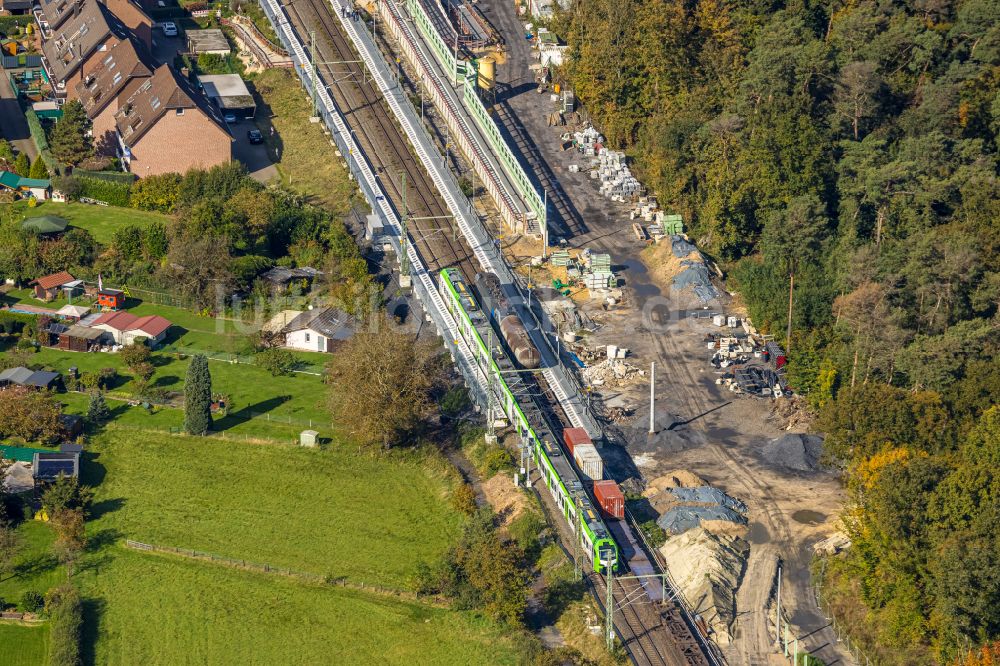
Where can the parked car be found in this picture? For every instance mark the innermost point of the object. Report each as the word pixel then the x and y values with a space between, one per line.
pixel 254 136
pixel 170 29
pixel 230 117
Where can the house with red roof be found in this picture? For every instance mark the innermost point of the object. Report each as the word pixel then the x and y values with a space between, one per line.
pixel 125 327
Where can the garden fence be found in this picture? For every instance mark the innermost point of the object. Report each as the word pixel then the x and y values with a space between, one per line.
pixel 328 579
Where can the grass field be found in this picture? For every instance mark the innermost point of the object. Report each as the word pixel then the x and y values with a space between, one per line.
pixel 23 645
pixel 100 221
pixel 309 164
pixel 252 390
pixel 152 609
pixel 333 510
pixel 36 567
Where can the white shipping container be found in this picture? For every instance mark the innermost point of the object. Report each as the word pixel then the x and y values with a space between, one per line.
pixel 719 320
pixel 589 462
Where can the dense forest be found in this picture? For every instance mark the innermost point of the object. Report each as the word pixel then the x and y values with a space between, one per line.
pixel 847 150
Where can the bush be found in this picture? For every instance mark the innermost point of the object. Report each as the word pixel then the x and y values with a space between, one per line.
pixel 526 531
pixel 71 187
pixel 276 361
pixel 157 193
pixel 111 193
pixel 497 459
pixel 31 602
pixel 66 618
pixel 464 499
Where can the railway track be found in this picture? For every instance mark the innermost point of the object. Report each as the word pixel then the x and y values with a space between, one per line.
pixel 383 143
pixel 388 152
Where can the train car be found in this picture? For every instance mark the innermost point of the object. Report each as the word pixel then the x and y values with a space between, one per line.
pixel 503 315
pixel 556 470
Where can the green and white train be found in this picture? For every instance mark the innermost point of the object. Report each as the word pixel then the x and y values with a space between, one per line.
pixel 480 329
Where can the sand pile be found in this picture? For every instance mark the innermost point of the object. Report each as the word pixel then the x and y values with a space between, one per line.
pixel 707 569
pixel 507 500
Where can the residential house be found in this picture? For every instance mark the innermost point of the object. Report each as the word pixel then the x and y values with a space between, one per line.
pixel 125 327
pixel 75 48
pixel 25 187
pixel 101 92
pixel 48 287
pixel 21 376
pixel 317 330
pixel 51 15
pixel 167 126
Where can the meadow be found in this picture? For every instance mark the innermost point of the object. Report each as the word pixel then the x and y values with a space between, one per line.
pixel 155 609
pixel 324 511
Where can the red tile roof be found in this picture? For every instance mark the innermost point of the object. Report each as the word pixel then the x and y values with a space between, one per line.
pixel 54 280
pixel 150 325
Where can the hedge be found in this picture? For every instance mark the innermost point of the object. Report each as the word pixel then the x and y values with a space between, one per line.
pixel 13 323
pixel 111 193
pixel 110 176
pixel 41 142
pixel 66 612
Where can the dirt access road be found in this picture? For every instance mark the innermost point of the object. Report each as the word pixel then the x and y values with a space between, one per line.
pixel 699 427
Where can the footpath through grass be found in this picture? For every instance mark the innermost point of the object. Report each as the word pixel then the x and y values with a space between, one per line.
pixel 333 510
pixel 23 645
pixel 100 221
pixel 154 609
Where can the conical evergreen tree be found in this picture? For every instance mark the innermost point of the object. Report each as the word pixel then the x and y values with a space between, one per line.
pixel 97 411
pixel 21 165
pixel 38 169
pixel 198 397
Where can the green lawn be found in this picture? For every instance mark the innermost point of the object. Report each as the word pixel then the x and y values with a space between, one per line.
pixel 36 568
pixel 335 510
pixel 100 221
pixel 152 609
pixel 23 645
pixel 252 391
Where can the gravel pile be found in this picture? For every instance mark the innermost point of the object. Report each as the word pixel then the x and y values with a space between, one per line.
pixel 796 452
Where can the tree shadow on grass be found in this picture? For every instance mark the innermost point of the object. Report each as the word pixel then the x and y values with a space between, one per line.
pixel 168 380
pixel 250 411
pixel 34 567
pixel 92 473
pixel 93 611
pixel 104 507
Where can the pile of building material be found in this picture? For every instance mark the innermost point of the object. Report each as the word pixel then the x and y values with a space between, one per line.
pixel 707 569
pixel 683 509
pixel 609 166
pixel 833 544
pixel 596 270
pixel 612 372
pixel 694 274
pixel 797 452
pixel 660 223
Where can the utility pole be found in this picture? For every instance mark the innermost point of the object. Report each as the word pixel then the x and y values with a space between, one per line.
pixel 652 398
pixel 404 262
pixel 777 623
pixel 609 623
pixel 315 73
pixel 545 223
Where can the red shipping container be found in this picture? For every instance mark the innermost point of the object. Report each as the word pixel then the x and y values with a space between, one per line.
pixel 610 497
pixel 574 436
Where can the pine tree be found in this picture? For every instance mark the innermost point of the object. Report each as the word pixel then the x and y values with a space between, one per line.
pixel 97 411
pixel 68 139
pixel 198 397
pixel 38 169
pixel 21 165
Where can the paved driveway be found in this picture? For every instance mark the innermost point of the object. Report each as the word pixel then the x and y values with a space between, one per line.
pixel 255 158
pixel 13 126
